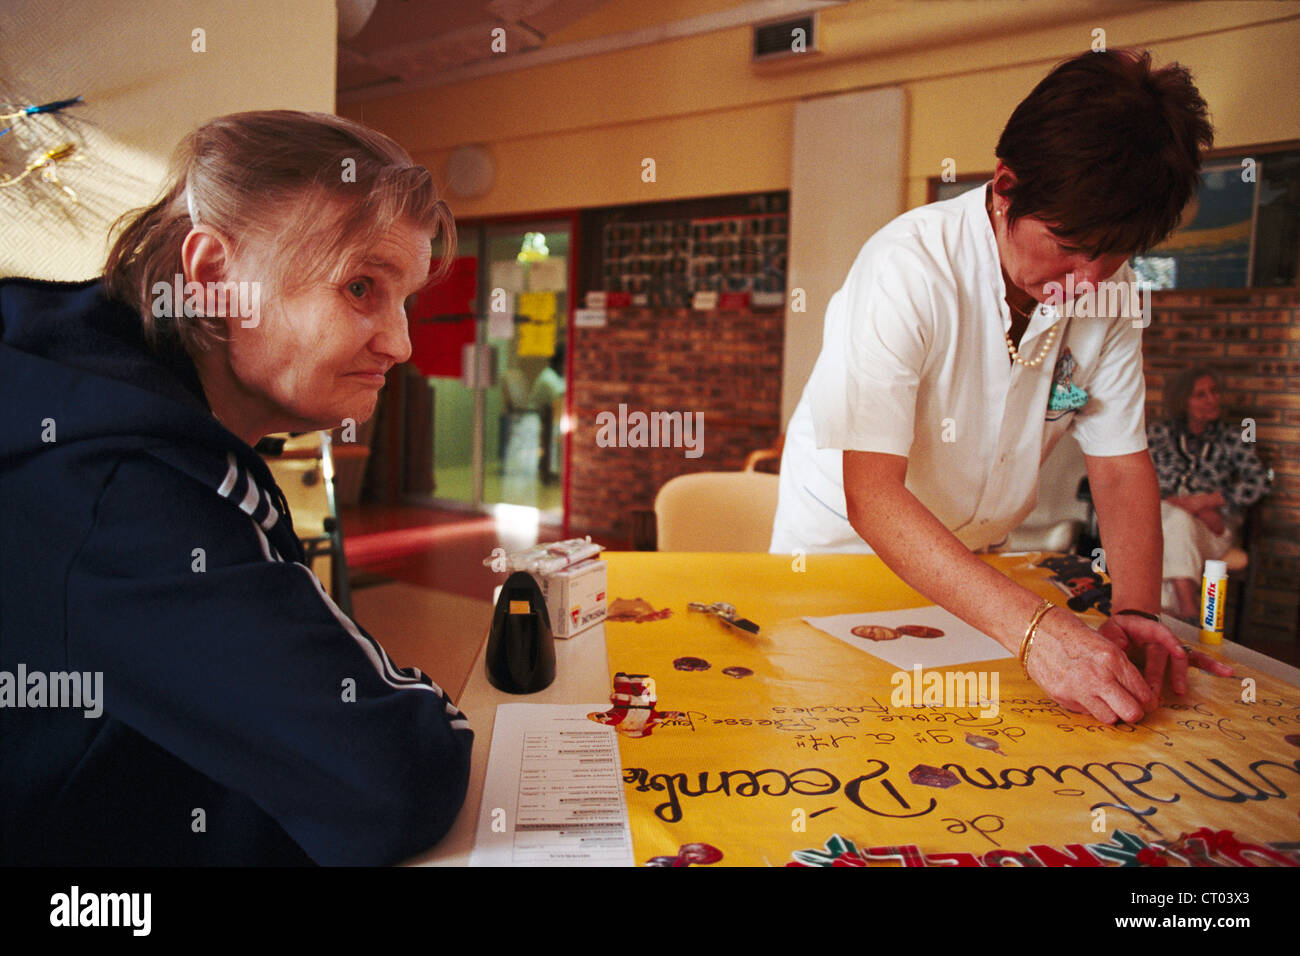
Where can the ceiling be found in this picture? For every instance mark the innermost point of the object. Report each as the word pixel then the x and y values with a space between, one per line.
pixel 406 40
pixel 389 46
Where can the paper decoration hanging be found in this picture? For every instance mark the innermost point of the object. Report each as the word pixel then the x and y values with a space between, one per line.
pixel 46 159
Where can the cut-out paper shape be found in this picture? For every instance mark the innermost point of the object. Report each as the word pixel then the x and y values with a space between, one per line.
pixel 924 775
pixel 738 672
pixel 874 632
pixel 919 630
pixel 839 851
pixel 638 610
pixel 691 664
pixel 1082 585
pixel 633 712
pixel 984 743
pixel 1202 848
pixel 961 643
pixel 623 609
pixel 698 854
pixel 1224 845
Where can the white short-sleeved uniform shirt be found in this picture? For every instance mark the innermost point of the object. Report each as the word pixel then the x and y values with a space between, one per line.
pixel 914 362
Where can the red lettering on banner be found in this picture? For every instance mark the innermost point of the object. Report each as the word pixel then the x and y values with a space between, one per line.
pixel 1076 855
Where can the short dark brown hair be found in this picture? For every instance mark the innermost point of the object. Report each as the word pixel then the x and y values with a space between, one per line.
pixel 1107 151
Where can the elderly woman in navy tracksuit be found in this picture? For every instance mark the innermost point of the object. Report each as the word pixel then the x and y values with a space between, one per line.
pixel 246 719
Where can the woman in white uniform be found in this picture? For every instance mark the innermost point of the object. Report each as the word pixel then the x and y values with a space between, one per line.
pixel 969 336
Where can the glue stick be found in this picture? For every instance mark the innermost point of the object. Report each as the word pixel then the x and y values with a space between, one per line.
pixel 1214 587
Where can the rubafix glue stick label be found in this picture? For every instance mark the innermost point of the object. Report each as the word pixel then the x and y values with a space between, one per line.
pixel 1211 605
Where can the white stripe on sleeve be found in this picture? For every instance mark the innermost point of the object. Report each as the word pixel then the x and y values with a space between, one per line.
pixel 232 474
pixel 383 665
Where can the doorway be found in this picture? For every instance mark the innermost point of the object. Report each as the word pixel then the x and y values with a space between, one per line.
pixel 490 342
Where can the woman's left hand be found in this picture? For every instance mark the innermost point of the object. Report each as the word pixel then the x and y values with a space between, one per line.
pixel 1153 649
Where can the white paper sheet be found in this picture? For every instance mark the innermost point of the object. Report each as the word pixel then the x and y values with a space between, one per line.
pixel 507 274
pixel 550 274
pixel 553 795
pixel 960 644
pixel 501 323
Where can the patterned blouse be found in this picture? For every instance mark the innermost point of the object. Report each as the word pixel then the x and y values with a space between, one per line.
pixel 1215 460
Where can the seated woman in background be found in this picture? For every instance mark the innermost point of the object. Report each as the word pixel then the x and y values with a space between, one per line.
pixel 1208 472
pixel 238 716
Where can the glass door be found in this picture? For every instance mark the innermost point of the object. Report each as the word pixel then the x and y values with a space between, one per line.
pixel 527 285
pixel 445 321
pixel 490 343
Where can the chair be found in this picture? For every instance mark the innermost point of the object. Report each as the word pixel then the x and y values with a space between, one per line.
pixel 765 455
pixel 1244 557
pixel 299 465
pixel 716 511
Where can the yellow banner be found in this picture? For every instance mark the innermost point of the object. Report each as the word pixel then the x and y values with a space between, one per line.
pixel 791 746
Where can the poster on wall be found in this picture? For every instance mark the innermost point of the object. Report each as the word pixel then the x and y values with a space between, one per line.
pixel 537 333
pixel 1214 247
pixel 442 320
pixel 666 262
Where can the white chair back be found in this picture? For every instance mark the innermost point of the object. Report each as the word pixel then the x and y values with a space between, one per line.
pixel 717 511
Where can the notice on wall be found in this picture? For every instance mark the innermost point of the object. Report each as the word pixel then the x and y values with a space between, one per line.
pixel 537 334
pixel 549 274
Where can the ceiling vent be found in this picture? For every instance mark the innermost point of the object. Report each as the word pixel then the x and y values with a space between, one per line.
pixel 785 39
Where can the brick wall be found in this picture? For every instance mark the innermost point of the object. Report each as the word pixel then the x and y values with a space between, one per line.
pixel 1253 338
pixel 726 365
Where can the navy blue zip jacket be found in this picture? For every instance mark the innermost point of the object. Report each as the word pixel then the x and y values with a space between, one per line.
pixel 229 732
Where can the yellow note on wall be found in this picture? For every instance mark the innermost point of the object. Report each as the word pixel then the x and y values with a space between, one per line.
pixel 537 335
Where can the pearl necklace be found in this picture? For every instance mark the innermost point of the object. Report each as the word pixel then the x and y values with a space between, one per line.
pixel 1042 352
pixel 1011 346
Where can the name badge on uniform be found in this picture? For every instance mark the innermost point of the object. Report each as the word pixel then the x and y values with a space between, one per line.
pixel 1065 396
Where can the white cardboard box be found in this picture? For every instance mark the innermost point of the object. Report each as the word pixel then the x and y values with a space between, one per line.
pixel 575 597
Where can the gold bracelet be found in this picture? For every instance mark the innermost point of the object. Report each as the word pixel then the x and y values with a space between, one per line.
pixel 1042 609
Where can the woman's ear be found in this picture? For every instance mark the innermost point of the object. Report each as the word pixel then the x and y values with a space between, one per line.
pixel 1003 179
pixel 207 258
